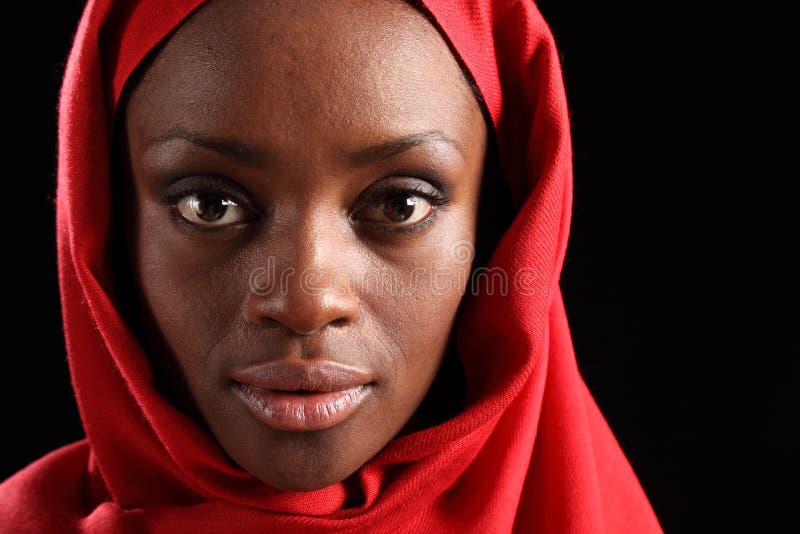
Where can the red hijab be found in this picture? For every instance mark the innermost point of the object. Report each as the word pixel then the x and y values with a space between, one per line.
pixel 531 452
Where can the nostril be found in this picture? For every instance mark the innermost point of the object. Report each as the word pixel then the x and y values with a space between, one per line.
pixel 302 312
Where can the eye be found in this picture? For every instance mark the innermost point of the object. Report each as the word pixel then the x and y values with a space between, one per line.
pixel 210 209
pixel 401 207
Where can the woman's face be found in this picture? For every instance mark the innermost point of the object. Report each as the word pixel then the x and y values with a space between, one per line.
pixel 303 187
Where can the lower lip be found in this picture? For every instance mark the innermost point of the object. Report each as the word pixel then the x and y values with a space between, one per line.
pixel 294 412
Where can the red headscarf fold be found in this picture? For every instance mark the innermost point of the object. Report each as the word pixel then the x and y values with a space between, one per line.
pixel 531 452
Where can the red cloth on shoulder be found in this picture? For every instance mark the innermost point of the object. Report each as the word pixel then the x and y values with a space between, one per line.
pixel 531 452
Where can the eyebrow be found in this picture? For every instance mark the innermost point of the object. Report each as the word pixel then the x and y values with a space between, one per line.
pixel 258 157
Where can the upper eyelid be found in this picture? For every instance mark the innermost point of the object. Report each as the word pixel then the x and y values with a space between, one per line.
pixel 204 183
pixel 432 194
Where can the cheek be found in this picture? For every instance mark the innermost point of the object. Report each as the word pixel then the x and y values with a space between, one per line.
pixel 414 334
pixel 416 311
pixel 193 292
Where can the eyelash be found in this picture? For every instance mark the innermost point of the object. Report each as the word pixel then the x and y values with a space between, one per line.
pixel 437 199
pixel 218 187
pixel 434 195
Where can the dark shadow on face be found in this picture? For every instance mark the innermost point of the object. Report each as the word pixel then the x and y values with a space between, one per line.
pixel 252 142
pixel 446 396
pixel 167 376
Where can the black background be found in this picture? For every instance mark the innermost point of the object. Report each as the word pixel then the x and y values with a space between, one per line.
pixel 681 134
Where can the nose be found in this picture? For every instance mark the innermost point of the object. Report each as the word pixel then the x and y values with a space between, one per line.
pixel 306 285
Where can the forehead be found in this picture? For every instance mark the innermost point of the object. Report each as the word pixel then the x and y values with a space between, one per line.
pixel 322 67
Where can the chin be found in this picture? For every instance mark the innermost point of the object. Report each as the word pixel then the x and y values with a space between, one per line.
pixel 300 481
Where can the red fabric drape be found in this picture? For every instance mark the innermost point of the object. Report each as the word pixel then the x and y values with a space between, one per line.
pixel 530 453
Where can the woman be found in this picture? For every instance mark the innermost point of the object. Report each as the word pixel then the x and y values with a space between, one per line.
pixel 267 219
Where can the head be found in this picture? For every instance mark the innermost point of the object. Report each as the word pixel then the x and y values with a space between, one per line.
pixel 301 182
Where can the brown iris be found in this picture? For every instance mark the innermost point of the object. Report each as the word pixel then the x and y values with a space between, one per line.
pixel 400 207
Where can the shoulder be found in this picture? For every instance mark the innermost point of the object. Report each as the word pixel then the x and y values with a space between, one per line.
pixel 46 492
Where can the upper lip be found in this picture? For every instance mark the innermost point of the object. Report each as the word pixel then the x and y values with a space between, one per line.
pixel 293 375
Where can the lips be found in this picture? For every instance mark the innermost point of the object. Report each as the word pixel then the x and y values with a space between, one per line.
pixel 302 396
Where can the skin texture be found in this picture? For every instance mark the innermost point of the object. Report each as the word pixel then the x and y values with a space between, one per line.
pixel 306 86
